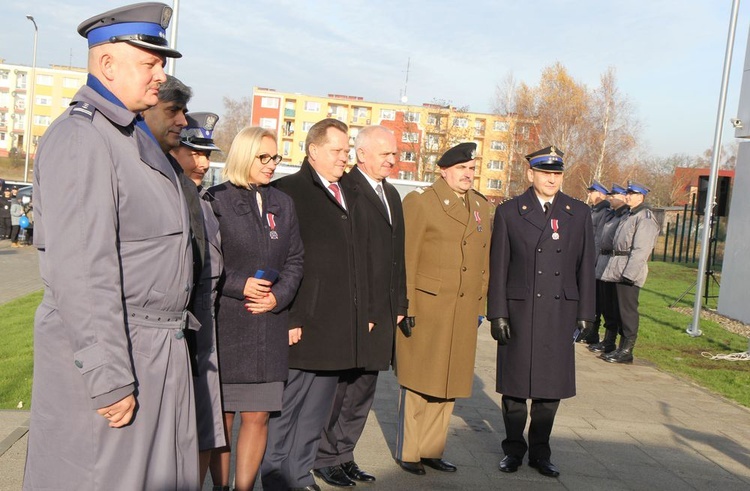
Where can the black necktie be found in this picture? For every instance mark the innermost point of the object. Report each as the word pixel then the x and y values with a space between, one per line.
pixel 546 208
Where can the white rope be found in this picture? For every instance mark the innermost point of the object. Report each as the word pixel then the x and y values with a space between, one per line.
pixel 744 356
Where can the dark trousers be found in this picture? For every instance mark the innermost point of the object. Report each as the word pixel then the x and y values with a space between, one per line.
pixel 599 304
pixel 14 229
pixel 610 308
pixel 355 393
pixel 294 433
pixel 5 225
pixel 627 300
pixel 542 419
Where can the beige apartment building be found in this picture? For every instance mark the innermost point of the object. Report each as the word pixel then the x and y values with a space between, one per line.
pixel 53 89
pixel 423 132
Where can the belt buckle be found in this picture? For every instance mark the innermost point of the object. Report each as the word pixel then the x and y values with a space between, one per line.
pixel 183 320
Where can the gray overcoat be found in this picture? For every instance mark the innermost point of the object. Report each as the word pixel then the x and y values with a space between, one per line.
pixel 112 231
pixel 634 239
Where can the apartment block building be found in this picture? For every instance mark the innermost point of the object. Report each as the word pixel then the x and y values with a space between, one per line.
pixel 54 87
pixel 422 132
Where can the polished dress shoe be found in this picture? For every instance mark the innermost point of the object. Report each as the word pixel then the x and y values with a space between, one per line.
pixel 413 467
pixel 510 463
pixel 545 467
pixel 439 465
pixel 355 473
pixel 335 476
pixel 311 487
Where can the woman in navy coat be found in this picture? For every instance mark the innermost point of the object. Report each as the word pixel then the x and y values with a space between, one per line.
pixel 263 256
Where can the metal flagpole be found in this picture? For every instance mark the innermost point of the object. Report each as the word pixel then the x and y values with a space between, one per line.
pixel 173 36
pixel 29 129
pixel 694 328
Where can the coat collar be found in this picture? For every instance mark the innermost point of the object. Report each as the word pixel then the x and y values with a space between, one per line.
pixel 529 209
pixel 310 174
pixel 359 184
pixel 452 205
pixel 113 112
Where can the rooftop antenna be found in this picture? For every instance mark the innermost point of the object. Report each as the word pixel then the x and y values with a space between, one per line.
pixel 404 98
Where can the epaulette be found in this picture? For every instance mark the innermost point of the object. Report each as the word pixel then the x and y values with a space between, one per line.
pixel 648 213
pixel 480 194
pixel 505 200
pixel 84 109
pixel 419 190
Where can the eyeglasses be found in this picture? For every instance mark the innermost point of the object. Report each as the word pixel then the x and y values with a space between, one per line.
pixel 265 158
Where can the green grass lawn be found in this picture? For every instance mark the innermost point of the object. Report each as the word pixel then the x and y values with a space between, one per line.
pixel 662 340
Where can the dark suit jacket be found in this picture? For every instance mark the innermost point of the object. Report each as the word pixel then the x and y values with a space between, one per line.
pixel 255 347
pixel 386 273
pixel 543 286
pixel 331 302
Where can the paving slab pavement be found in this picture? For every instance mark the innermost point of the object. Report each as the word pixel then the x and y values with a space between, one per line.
pixel 630 427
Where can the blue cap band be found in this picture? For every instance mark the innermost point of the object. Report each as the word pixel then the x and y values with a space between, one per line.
pixel 544 159
pixel 103 34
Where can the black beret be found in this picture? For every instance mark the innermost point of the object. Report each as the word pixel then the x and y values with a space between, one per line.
pixel 463 152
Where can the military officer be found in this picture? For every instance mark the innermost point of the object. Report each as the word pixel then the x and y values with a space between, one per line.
pixel 113 394
pixel 447 254
pixel 609 309
pixel 628 267
pixel 542 290
pixel 597 199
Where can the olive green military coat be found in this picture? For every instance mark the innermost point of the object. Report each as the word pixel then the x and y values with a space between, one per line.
pixel 447 262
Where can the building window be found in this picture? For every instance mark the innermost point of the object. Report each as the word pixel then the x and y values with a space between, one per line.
pixel 306 125
pixel 21 80
pixel 405 175
pixel 287 148
pixel 408 137
pixel 44 100
pixel 411 117
pixel 4 75
pixel 65 102
pixel 44 80
pixel 494 183
pixel 408 157
pixel 524 132
pixel 268 123
pixel 497 145
pixel 312 106
pixel 500 126
pixel 42 120
pixel 388 114
pixel 70 83
pixel 495 165
pixel 433 143
pixel 461 123
pixel 434 119
pixel 4 99
pixel 20 102
pixel 270 102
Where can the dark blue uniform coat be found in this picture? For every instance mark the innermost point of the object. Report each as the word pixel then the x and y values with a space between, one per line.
pixel 543 286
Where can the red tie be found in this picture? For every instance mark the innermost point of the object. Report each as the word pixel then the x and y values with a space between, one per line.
pixel 336 192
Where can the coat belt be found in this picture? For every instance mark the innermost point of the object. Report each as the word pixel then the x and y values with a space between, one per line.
pixel 162 319
pixel 610 252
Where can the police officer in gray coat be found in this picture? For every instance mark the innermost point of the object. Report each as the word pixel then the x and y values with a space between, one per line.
pixel 628 267
pixel 606 291
pixel 113 395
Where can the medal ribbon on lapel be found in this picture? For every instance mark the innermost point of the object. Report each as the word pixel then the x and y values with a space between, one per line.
pixel 272 224
pixel 555 227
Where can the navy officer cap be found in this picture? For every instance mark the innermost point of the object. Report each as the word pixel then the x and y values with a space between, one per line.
pixel 548 159
pixel 141 24
pixel 634 187
pixel 198 133
pixel 596 186
pixel 617 189
pixel 463 152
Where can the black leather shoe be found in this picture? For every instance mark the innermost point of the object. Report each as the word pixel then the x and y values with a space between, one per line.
pixel 413 467
pixel 311 487
pixel 354 473
pixel 439 465
pixel 545 467
pixel 335 476
pixel 510 463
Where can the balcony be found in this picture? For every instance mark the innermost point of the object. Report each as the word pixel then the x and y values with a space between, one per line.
pixel 289 113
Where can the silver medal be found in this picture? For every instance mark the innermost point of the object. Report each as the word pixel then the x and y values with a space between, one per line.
pixel 555 236
pixel 274 235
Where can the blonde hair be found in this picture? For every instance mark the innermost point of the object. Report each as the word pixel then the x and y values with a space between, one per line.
pixel 242 153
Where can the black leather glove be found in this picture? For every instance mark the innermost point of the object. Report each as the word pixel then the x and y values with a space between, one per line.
pixel 585 328
pixel 500 330
pixel 406 325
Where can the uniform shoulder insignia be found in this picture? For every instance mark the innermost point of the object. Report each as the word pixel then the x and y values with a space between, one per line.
pixel 84 110
pixel 648 213
pixel 480 195
pixel 419 190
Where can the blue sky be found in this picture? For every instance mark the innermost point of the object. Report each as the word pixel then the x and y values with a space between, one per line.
pixel 668 53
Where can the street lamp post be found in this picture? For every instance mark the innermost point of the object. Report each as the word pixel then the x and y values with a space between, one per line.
pixel 30 104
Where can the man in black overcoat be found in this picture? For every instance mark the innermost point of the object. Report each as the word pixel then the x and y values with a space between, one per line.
pixel 537 304
pixel 327 319
pixel 383 246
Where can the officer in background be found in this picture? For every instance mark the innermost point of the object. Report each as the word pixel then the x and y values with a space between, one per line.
pixel 628 267
pixel 113 394
pixel 447 255
pixel 542 291
pixel 192 155
pixel 609 309
pixel 597 199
